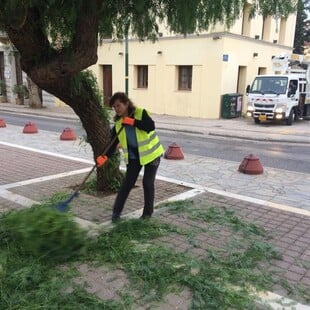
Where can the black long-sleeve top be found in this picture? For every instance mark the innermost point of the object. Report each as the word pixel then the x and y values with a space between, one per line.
pixel 146 123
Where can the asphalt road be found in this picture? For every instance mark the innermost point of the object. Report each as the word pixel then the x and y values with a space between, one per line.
pixel 291 157
pixel 43 122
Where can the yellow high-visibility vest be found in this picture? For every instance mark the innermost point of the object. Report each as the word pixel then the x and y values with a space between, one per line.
pixel 149 146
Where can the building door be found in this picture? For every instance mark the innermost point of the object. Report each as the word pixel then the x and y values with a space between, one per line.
pixel 241 86
pixel 107 83
pixel 241 80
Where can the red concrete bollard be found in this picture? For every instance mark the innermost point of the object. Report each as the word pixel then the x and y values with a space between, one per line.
pixel 30 128
pixel 174 151
pixel 2 123
pixel 251 165
pixel 68 134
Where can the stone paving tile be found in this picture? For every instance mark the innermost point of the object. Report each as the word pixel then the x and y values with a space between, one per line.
pixel 281 185
pixel 89 207
pixel 287 232
pixel 44 190
pixel 102 281
pixel 98 209
pixel 108 284
pixel 6 205
pixel 276 185
pixel 290 233
pixel 174 301
pixel 23 165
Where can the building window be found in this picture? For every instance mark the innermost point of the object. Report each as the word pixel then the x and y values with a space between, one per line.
pixel 185 77
pixel 142 76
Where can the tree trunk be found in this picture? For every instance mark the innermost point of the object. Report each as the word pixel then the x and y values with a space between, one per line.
pixel 34 95
pixel 82 99
pixel 60 72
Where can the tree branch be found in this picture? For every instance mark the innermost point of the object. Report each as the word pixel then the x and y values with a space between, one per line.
pixel 40 58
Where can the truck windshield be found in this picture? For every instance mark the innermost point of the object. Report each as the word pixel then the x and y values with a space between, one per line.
pixel 269 85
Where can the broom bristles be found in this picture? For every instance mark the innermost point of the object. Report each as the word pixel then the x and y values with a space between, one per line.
pixel 63 206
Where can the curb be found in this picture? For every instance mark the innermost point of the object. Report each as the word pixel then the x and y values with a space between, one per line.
pixel 293 140
pixel 267 139
pixel 34 113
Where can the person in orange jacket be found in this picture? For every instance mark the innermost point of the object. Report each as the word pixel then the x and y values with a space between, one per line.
pixel 141 148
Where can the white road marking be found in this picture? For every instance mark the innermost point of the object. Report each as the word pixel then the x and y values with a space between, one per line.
pixel 86 161
pixel 19 199
pixel 239 197
pixel 46 178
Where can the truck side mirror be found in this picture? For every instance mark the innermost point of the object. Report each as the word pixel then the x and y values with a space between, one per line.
pixel 247 90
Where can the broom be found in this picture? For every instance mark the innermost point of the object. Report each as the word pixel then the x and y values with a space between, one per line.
pixel 63 206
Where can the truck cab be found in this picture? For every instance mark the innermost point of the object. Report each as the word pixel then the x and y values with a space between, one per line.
pixel 274 97
pixel 283 95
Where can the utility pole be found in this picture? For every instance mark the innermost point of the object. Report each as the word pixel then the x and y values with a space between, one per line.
pixel 126 64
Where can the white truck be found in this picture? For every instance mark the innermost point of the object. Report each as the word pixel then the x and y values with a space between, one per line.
pixel 283 95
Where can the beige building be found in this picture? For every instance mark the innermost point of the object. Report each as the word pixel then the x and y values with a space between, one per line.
pixel 187 76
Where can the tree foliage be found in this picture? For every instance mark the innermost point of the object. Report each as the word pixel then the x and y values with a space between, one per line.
pixel 58 39
pixel 301 29
pixel 56 26
pixel 58 18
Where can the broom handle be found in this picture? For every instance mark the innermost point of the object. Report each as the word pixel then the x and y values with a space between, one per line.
pixel 104 152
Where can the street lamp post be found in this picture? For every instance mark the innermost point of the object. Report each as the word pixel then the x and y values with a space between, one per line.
pixel 126 64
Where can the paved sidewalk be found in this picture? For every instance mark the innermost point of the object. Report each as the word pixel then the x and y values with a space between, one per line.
pixel 278 200
pixel 41 174
pixel 274 186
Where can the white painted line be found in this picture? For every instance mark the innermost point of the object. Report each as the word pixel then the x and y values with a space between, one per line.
pixel 259 201
pixel 178 182
pixel 47 153
pixel 278 302
pixel 85 224
pixel 21 200
pixel 134 214
pixel 238 196
pixel 43 179
pixel 183 196
pixel 137 213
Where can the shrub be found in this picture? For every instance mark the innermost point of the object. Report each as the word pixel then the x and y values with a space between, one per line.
pixel 43 233
pixel 21 91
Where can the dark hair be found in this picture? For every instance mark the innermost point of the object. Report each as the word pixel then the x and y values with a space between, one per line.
pixel 122 97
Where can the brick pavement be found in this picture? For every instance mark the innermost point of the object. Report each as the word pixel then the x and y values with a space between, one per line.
pixel 36 166
pixel 19 165
pixel 289 232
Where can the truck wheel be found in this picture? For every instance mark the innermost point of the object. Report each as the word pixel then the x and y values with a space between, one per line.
pixel 289 120
pixel 257 121
pixel 296 116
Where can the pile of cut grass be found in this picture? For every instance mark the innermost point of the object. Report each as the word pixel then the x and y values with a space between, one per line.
pixel 37 243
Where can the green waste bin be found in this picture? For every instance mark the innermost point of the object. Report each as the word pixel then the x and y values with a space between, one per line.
pixel 231 105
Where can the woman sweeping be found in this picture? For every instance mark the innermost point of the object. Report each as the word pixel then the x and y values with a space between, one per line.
pixel 141 147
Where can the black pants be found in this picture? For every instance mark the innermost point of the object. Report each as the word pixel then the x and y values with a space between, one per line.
pixel 132 173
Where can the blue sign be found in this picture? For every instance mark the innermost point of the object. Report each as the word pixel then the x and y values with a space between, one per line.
pixel 225 57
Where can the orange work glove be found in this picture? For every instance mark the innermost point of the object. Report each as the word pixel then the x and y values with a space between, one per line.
pixel 128 121
pixel 100 160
